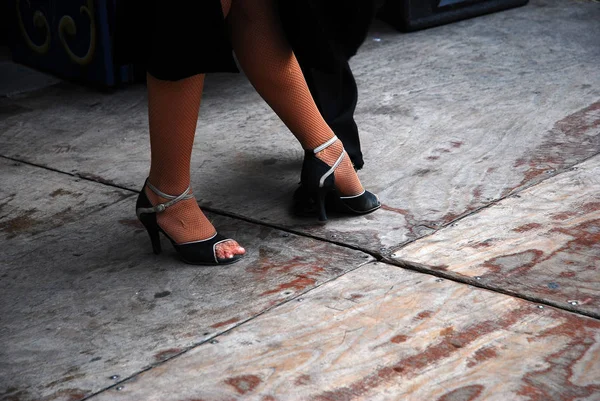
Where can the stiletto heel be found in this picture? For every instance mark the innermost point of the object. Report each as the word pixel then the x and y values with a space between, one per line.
pixel 149 222
pixel 201 252
pixel 318 183
pixel 322 214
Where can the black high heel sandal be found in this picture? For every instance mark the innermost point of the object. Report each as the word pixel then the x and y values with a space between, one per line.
pixel 201 252
pixel 318 184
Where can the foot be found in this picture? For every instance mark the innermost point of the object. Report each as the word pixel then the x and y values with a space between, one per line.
pixel 347 182
pixel 185 222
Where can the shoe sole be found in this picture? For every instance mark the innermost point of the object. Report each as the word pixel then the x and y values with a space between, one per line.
pixel 221 263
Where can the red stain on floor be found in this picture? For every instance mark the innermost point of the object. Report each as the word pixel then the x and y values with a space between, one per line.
pixel 563 216
pixel 483 244
pixel 302 380
pixel 448 331
pixel 244 384
pixel 298 284
pixel 586 237
pixel 411 365
pixel 403 212
pixel 69 394
pixel 562 145
pixel 20 224
pixel 515 263
pixel 267 263
pixel 411 220
pixel 423 315
pixel 591 207
pixel 466 393
pixel 399 339
pixel 225 323
pixel 135 223
pixel 527 227
pixel 166 354
pixel 554 381
pixel 482 354
pixel 64 192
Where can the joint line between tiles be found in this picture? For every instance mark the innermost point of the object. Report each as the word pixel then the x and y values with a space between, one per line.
pixel 404 264
pixel 235 326
pixel 377 256
pixel 74 175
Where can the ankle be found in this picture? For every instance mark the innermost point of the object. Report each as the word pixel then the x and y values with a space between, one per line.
pixel 156 195
pixel 331 153
pixel 168 185
pixel 184 221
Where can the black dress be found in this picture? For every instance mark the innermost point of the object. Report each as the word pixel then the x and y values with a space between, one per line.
pixel 176 39
pixel 173 39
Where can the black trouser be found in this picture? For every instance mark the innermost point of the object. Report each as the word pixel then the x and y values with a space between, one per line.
pixel 336 94
pixel 324 35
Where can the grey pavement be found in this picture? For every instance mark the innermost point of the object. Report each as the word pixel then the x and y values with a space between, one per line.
pixel 479 278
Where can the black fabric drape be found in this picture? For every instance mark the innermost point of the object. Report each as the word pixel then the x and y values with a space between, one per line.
pixel 175 39
pixel 322 32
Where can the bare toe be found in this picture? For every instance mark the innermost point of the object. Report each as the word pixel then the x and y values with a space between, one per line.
pixel 229 249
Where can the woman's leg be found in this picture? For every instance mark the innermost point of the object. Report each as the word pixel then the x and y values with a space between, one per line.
pixel 173 113
pixel 267 59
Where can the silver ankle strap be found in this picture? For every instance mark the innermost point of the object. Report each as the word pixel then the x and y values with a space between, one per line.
pixel 332 169
pixel 325 145
pixel 335 165
pixel 162 206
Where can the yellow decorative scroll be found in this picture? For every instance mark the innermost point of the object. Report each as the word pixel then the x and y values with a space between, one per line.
pixel 67 25
pixel 40 21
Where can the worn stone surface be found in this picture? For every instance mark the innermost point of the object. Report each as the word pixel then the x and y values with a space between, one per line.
pixel 415 338
pixel 17 79
pixel 34 200
pixel 451 119
pixel 88 300
pixel 543 244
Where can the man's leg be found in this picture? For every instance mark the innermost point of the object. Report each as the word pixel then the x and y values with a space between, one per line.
pixel 336 94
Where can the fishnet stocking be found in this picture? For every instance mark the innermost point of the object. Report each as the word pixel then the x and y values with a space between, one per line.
pixel 346 180
pixel 267 59
pixel 173 113
pixel 271 66
pixel 226 6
